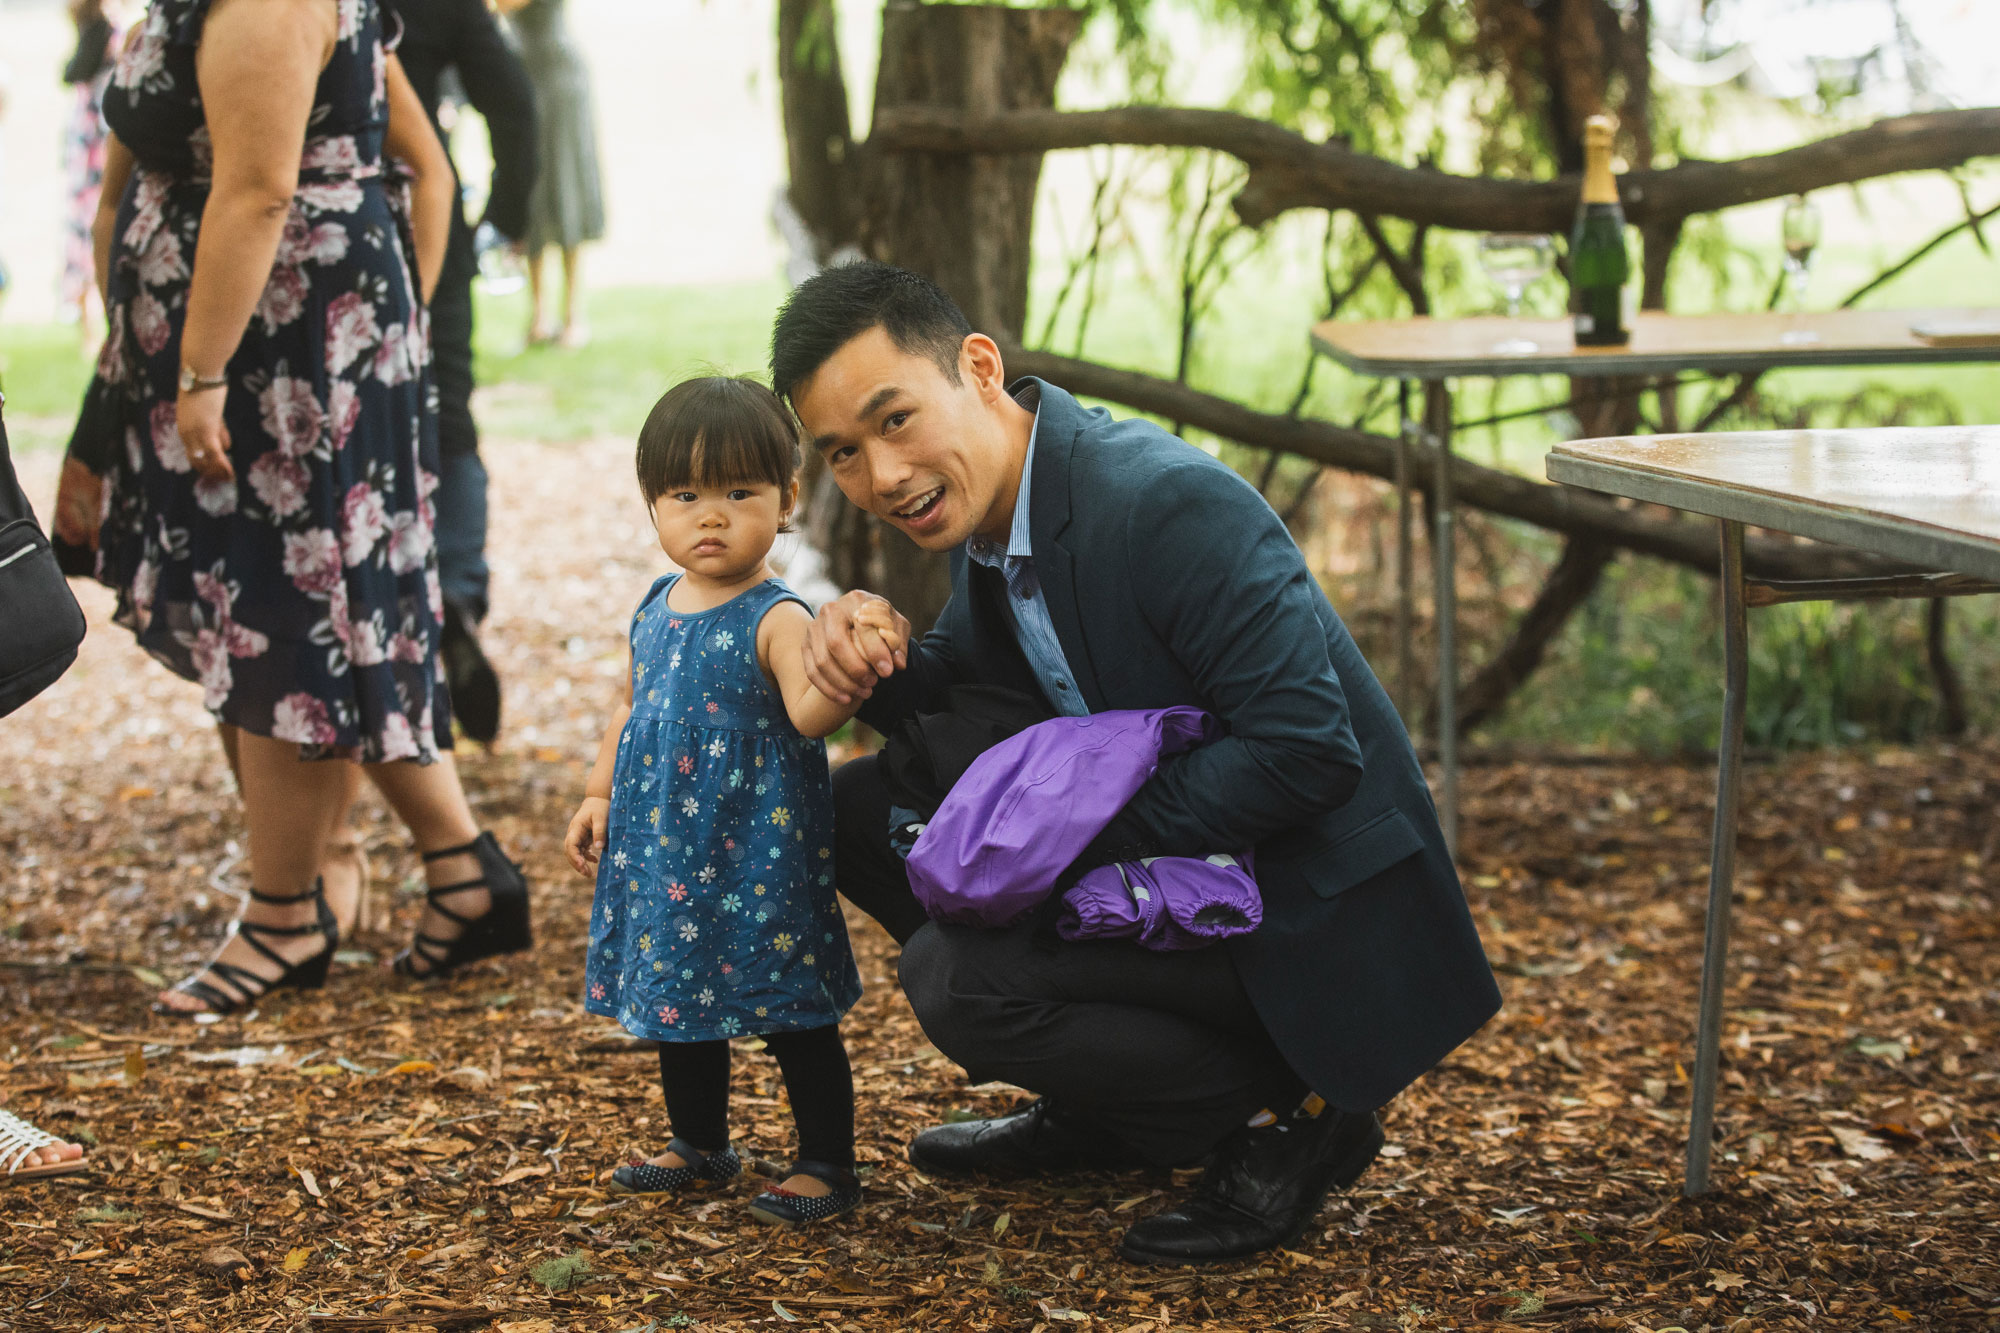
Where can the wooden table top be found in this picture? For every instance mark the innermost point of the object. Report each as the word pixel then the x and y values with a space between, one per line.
pixel 1928 495
pixel 1432 349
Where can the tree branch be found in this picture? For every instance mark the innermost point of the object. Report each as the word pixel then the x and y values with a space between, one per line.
pixel 1289 171
pixel 1663 534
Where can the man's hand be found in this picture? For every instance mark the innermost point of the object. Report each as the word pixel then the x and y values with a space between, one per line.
pixel 584 842
pixel 79 501
pixel 854 642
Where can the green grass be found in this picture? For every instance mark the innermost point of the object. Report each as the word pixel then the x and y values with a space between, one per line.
pixel 42 372
pixel 1639 668
pixel 644 339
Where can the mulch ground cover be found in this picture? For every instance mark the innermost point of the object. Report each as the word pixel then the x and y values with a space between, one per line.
pixel 375 1156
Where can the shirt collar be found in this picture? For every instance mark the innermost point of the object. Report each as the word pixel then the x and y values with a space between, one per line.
pixel 1020 545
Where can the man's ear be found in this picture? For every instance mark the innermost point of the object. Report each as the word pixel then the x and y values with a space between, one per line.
pixel 979 360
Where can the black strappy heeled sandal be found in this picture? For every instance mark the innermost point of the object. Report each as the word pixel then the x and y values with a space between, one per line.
pixel 503 929
pixel 250 987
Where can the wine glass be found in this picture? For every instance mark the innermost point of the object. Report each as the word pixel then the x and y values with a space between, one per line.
pixel 1512 260
pixel 1800 230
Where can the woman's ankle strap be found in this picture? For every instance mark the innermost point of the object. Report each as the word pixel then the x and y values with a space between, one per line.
pixel 318 890
pixel 443 852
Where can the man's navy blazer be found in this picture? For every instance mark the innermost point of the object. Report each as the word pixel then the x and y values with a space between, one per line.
pixel 1171 581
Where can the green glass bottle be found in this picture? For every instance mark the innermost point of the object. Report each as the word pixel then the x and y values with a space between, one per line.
pixel 1598 265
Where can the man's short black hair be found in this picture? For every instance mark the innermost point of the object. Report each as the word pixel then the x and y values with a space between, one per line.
pixel 838 304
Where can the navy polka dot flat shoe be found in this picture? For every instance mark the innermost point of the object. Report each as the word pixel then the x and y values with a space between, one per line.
pixel 703 1170
pixel 784 1208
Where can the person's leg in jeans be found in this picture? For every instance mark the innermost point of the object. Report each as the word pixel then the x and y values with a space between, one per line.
pixel 461 498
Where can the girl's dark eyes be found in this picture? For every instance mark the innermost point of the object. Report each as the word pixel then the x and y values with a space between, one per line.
pixel 686 497
pixel 740 494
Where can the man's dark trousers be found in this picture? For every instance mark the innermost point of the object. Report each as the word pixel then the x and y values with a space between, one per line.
pixel 463 36
pixel 1161 1050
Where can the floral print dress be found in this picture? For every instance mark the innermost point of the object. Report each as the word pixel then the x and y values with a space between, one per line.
pixel 715 913
pixel 303 595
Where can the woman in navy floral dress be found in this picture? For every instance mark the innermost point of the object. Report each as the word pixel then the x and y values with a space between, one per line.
pixel 260 419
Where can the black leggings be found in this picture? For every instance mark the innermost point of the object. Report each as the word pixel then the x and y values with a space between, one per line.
pixel 694 1075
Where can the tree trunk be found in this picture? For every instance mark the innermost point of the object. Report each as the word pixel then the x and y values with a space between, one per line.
pixel 819 143
pixel 962 220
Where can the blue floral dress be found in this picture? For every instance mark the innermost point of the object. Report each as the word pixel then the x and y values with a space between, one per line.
pixel 715 913
pixel 303 595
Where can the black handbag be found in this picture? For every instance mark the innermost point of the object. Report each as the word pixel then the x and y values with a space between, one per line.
pixel 40 622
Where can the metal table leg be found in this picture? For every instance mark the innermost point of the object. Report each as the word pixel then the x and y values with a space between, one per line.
pixel 1406 653
pixel 1437 405
pixel 1721 860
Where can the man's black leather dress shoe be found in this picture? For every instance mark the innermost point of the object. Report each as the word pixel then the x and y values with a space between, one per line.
pixel 1033 1139
pixel 474 685
pixel 1263 1190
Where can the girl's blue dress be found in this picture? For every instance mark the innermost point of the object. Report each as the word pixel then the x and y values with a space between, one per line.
pixel 715 914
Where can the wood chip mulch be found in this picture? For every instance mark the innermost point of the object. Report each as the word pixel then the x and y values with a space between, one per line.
pixel 375 1156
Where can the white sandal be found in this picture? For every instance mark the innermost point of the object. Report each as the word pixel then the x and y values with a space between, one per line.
pixel 18 1139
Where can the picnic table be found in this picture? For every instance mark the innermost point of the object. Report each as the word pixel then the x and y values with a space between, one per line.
pixel 1431 351
pixel 1926 496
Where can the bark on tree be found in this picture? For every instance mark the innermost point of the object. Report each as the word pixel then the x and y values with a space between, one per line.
pixel 819 142
pixel 1289 171
pixel 1662 533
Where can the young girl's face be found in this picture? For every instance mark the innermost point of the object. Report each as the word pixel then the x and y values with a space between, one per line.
pixel 722 533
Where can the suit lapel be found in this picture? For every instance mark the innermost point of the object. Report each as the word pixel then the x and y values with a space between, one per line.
pixel 1049 521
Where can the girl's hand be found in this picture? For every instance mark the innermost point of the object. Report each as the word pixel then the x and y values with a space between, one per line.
pixel 877 632
pixel 79 501
pixel 198 415
pixel 834 665
pixel 584 842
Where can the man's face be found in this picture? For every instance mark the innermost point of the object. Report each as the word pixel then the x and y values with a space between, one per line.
pixel 909 446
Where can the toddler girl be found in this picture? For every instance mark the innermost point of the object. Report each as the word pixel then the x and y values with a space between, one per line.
pixel 708 818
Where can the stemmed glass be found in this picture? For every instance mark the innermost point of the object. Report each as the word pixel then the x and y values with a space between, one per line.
pixel 1513 260
pixel 1800 230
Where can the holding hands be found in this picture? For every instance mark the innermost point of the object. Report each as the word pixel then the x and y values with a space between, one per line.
pixel 856 641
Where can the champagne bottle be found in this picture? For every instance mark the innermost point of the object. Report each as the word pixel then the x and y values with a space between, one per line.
pixel 1598 265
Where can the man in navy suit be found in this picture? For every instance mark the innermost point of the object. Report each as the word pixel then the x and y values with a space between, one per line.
pixel 1108 565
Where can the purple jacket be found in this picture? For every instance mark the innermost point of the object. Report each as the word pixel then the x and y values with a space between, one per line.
pixel 1025 810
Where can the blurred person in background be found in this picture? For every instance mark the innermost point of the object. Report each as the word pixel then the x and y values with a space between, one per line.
pixel 100 32
pixel 567 206
pixel 461 37
pixel 260 425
